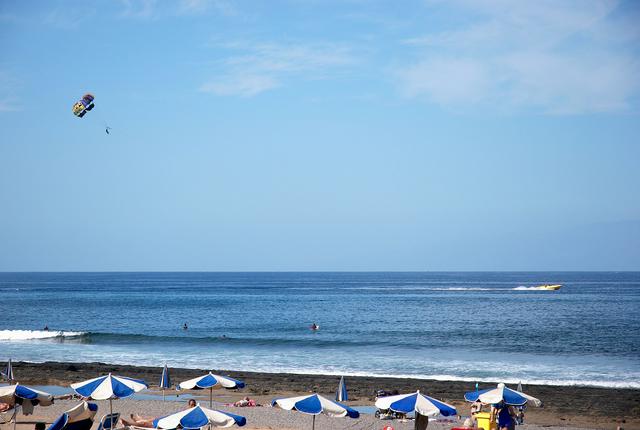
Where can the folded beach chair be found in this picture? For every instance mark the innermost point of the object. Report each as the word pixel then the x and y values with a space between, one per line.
pixel 109 421
pixel 78 418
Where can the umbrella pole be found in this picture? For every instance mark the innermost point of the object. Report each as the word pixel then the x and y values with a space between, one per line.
pixel 313 425
pixel 210 397
pixel 111 413
pixel 163 394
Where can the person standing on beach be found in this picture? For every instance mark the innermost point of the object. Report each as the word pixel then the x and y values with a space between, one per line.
pixel 505 415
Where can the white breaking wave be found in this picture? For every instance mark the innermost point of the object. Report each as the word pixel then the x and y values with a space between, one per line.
pixel 9 335
pixel 522 288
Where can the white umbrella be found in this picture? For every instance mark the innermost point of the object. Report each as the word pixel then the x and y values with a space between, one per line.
pixel 28 397
pixel 109 387
pixel 315 404
pixel 165 380
pixel 198 417
pixel 501 394
pixel 210 381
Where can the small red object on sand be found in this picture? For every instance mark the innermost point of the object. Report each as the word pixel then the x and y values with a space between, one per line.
pixel 387 428
pixel 466 428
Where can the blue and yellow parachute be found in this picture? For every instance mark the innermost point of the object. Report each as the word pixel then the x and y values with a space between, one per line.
pixel 83 105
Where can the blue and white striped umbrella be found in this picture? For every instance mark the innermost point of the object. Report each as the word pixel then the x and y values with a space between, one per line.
pixel 165 380
pixel 210 381
pixel 11 393
pixel 83 411
pixel 341 394
pixel 501 394
pixel 109 387
pixel 8 372
pixel 315 404
pixel 416 402
pixel 197 417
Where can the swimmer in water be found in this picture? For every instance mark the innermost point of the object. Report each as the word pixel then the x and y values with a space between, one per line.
pixel 46 328
pixel 314 326
pixel 185 326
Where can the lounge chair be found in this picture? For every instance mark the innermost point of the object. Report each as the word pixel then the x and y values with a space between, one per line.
pixel 78 418
pixel 109 421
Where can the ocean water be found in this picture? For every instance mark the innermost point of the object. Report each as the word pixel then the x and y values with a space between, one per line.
pixel 454 326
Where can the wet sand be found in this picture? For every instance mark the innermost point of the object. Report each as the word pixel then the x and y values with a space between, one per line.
pixel 584 407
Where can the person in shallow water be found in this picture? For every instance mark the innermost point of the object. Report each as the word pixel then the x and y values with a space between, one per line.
pixel 140 421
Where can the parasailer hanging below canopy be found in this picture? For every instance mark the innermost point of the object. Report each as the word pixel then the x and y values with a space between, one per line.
pixel 83 105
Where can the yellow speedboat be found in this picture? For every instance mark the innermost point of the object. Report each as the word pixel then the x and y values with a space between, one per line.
pixel 549 287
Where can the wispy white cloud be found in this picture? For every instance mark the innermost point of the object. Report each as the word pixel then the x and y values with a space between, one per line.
pixel 68 17
pixel 9 101
pixel 565 57
pixel 253 69
pixel 139 8
pixel 9 104
pixel 245 85
pixel 225 7
pixel 9 17
pixel 153 9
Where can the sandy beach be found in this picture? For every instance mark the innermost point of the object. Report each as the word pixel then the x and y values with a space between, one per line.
pixel 258 418
pixel 565 407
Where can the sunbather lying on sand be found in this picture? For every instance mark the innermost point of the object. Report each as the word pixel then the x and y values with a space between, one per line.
pixel 138 421
pixel 246 402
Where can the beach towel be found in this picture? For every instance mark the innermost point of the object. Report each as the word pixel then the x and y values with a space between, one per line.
pixel 27 407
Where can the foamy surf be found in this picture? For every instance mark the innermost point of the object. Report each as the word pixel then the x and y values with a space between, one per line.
pixel 10 335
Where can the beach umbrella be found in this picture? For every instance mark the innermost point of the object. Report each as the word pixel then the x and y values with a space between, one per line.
pixel 165 380
pixel 210 381
pixel 12 394
pixel 197 417
pixel 315 404
pixel 25 396
pixel 109 387
pixel 341 394
pixel 418 403
pixel 501 394
pixel 82 412
pixel 519 389
pixel 8 373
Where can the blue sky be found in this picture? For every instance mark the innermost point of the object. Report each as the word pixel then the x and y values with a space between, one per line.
pixel 320 135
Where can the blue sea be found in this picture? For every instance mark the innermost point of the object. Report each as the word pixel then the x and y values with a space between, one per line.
pixel 451 326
